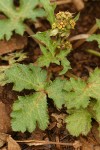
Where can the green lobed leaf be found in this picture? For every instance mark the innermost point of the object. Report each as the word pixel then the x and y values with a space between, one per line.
pixel 49 9
pixel 26 77
pixel 55 92
pixel 64 62
pixel 49 52
pixel 66 66
pixel 16 16
pixel 75 93
pixel 79 122
pixel 96 108
pixel 28 111
pixel 68 86
pixel 46 60
pixel 44 37
pixel 80 92
pixel 94 84
pixel 78 95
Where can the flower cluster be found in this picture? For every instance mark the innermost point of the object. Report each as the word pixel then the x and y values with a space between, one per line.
pixel 63 21
pixel 65 45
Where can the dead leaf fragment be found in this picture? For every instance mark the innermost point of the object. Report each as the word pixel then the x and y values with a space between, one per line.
pixel 87 144
pixel 59 118
pixel 17 42
pixel 12 144
pixel 3 139
pixel 1 143
pixel 77 144
pixel 97 148
pixel 5 126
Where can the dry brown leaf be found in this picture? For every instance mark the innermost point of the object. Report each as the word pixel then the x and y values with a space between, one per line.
pixel 97 148
pixel 3 139
pixel 59 118
pixel 4 119
pixel 52 125
pixel 17 42
pixel 86 144
pixel 77 144
pixel 2 143
pixel 12 144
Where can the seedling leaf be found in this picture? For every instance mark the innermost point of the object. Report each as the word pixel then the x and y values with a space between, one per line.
pixel 79 122
pixel 78 95
pixel 29 110
pixel 80 92
pixel 45 39
pixel 26 77
pixel 16 16
pixel 94 84
pixel 49 9
pixel 50 55
pixel 56 93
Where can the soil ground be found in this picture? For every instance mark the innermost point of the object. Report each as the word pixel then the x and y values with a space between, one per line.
pixel 82 63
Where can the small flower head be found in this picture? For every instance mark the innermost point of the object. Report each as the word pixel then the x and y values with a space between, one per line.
pixel 61 25
pixel 68 45
pixel 63 21
pixel 65 45
pixel 72 23
pixel 68 14
pixel 63 15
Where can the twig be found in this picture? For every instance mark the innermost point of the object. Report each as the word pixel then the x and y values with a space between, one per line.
pixel 69 74
pixel 45 142
pixel 80 36
pixel 91 31
pixel 30 32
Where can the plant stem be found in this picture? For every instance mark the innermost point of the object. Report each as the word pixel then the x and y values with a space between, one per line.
pixel 78 37
pixel 45 142
pixel 30 32
pixel 93 52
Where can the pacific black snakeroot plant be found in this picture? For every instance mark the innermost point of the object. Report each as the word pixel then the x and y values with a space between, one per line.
pixel 54 43
pixel 81 98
